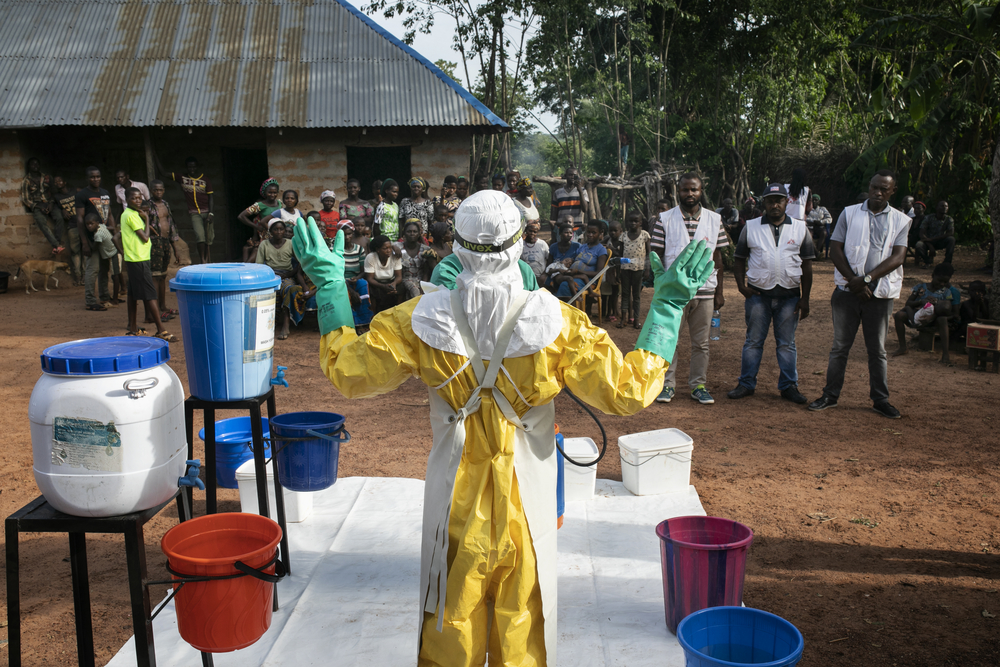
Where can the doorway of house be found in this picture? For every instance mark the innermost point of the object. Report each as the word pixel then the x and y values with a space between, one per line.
pixel 244 169
pixel 371 164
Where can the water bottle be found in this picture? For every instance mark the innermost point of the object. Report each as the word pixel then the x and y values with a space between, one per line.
pixel 716 326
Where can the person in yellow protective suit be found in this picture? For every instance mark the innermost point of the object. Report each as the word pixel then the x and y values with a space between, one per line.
pixel 494 357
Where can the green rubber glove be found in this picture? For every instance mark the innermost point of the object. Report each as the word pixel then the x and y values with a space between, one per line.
pixel 326 270
pixel 672 290
pixel 447 271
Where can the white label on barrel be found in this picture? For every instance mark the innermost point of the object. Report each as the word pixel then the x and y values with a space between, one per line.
pixel 86 443
pixel 259 339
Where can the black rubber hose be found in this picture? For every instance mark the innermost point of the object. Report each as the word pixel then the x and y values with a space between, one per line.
pixel 604 435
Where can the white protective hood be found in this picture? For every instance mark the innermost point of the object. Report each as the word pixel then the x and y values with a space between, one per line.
pixel 487 285
pixel 490 279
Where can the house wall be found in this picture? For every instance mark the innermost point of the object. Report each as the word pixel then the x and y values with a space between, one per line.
pixel 20 239
pixel 312 160
pixel 68 151
pixel 307 160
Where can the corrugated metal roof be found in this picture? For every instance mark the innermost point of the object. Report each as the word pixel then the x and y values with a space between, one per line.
pixel 269 63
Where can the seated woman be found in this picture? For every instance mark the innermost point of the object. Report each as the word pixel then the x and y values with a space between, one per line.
pixel 411 252
pixel 384 273
pixel 565 248
pixel 276 252
pixel 590 259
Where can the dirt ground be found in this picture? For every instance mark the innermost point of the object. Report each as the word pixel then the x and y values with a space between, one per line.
pixel 904 572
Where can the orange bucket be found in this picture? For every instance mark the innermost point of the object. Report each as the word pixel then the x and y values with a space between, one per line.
pixel 226 614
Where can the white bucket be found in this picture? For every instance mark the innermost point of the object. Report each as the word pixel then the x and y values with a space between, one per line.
pixel 107 426
pixel 580 482
pixel 298 506
pixel 656 462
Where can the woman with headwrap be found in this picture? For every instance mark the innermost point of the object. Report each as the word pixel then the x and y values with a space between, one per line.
pixel 329 217
pixel 417 206
pixel 488 554
pixel 254 215
pixel 387 213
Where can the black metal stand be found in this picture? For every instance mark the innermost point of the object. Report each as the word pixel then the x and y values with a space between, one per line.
pixel 40 517
pixel 252 405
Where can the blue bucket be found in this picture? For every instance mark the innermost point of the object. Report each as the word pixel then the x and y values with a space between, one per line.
pixel 227 323
pixel 233 439
pixel 307 460
pixel 737 636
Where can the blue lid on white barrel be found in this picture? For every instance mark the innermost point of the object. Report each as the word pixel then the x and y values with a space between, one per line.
pixel 105 356
pixel 224 277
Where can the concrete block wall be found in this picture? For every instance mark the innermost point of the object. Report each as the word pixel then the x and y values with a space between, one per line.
pixel 20 239
pixel 308 161
pixel 441 152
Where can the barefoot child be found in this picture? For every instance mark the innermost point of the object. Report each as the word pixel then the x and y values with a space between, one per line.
pixel 107 251
pixel 136 247
pixel 943 299
pixel 635 248
pixel 163 235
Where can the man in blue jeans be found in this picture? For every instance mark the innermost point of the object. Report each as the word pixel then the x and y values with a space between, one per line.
pixel 868 246
pixel 774 272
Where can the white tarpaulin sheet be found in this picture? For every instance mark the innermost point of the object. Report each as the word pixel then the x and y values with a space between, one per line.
pixel 352 597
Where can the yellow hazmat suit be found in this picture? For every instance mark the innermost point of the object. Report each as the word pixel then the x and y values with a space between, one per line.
pixel 494 357
pixel 490 555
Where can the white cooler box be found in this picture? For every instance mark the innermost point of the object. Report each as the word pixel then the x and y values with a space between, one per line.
pixel 656 462
pixel 579 481
pixel 298 506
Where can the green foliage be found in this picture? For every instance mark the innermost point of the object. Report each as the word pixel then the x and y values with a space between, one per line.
pixel 743 89
pixel 449 68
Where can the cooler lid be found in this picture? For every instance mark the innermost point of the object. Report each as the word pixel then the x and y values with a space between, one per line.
pixel 655 441
pixel 105 356
pixel 224 277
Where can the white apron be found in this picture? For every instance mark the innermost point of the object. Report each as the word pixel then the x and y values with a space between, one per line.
pixel 535 465
pixel 676 237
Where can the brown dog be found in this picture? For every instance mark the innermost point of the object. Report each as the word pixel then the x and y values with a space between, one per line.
pixel 45 267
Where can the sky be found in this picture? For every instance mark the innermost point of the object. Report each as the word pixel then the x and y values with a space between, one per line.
pixel 437 46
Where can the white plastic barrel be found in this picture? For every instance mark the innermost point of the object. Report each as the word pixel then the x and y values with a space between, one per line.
pixel 107 426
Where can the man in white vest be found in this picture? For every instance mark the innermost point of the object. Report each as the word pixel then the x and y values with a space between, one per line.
pixel 672 232
pixel 867 247
pixel 773 267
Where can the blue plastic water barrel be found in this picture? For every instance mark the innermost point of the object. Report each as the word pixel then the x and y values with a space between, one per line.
pixel 227 324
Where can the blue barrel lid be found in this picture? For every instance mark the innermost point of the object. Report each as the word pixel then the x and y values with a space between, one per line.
pixel 104 356
pixel 224 277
